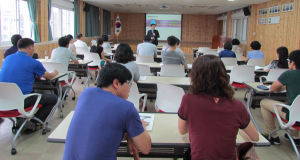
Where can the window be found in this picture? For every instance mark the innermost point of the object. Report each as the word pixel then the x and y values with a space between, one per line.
pixel 224 28
pixel 15 19
pixel 239 28
pixel 62 22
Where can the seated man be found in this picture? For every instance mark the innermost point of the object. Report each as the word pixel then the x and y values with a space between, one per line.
pixel 14 40
pixel 171 56
pixel 103 118
pixel 80 44
pixel 25 69
pixel 256 54
pixel 62 54
pixel 227 51
pixel 147 48
pixel 291 80
pixel 178 50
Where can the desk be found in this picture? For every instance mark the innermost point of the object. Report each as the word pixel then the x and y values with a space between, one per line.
pixel 155 67
pixel 157 59
pixel 166 139
pixel 82 69
pixel 254 90
pixel 52 85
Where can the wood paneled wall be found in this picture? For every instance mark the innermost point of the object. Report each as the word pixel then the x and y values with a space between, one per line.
pixel 272 36
pixel 220 28
pixel 198 28
pixel 229 24
pixel 43 20
pixel 81 18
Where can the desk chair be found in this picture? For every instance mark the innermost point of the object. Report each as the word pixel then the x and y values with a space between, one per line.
pixel 94 43
pixel 273 75
pixel 135 96
pixel 116 45
pixel 80 51
pixel 291 124
pixel 171 70
pixel 229 61
pixel 211 53
pixel 220 49
pixel 12 106
pixel 168 98
pixel 96 62
pixel 240 74
pixel 164 48
pixel 238 54
pixel 202 50
pixel 256 62
pixel 65 81
pixel 144 70
pixel 107 50
pixel 144 59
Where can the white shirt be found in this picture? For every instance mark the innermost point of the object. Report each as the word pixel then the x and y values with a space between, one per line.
pixel 72 47
pixel 147 49
pixel 106 45
pixel 81 44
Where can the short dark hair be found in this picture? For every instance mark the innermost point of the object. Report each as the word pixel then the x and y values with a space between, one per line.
pixel 112 71
pixel 178 41
pixel 208 75
pixel 153 24
pixel 295 57
pixel 124 53
pixel 15 38
pixel 79 35
pixel 105 38
pixel 25 42
pixel 147 38
pixel 235 42
pixel 99 41
pixel 228 46
pixel 63 41
pixel 255 45
pixel 172 40
pixel 69 36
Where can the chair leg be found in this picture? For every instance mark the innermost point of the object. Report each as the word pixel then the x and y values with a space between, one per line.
pixel 96 79
pixel 245 99
pixel 275 130
pixel 73 98
pixel 82 80
pixel 14 128
pixel 13 149
pixel 294 145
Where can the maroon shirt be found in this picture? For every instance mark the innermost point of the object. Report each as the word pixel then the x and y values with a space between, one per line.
pixel 213 127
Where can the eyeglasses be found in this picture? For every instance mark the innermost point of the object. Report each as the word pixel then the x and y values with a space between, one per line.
pixel 129 84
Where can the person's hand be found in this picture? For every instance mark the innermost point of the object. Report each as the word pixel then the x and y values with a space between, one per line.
pixel 55 72
pixel 145 124
pixel 151 37
pixel 153 34
pixel 242 57
pixel 132 149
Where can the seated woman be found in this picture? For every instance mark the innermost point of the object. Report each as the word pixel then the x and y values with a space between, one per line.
pixel 256 54
pixel 124 56
pixel 281 62
pixel 235 46
pixel 226 53
pixel 71 46
pixel 105 44
pixel 99 49
pixel 210 114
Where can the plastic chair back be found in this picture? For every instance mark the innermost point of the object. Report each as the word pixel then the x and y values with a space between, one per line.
pixel 256 62
pixel 168 97
pixel 81 50
pixel 94 57
pixel 94 43
pixel 242 73
pixel 169 70
pixel 164 48
pixel 60 67
pixel 211 52
pixel 220 49
pixel 203 49
pixel 229 61
pixel 116 45
pixel 144 59
pixel 107 50
pixel 274 74
pixel 11 97
pixel 144 70
pixel 134 96
pixel 238 54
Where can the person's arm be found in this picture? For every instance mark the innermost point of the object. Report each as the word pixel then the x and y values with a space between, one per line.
pixel 276 86
pixel 73 57
pixel 143 141
pixel 267 70
pixel 103 57
pixel 50 75
pixel 75 51
pixel 183 126
pixel 251 132
pixel 186 66
pixel 245 59
pixel 157 35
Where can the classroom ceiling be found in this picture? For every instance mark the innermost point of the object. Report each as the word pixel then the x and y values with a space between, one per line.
pixel 175 6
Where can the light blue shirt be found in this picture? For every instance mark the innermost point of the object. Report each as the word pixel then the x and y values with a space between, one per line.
pixel 106 45
pixel 256 54
pixel 146 49
pixel 62 55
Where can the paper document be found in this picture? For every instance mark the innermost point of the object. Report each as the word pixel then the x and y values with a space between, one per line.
pixel 149 118
pixel 189 65
pixel 79 60
pixel 260 68
pixel 143 78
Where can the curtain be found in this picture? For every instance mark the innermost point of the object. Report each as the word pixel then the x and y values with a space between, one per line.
pixel 76 18
pixel 92 24
pixel 50 38
pixel 106 22
pixel 33 9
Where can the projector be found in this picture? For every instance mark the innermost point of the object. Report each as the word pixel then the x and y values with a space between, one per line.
pixel 164 7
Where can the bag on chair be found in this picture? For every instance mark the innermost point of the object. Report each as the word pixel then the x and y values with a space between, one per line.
pixel 246 151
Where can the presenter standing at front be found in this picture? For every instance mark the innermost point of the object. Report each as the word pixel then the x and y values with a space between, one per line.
pixel 153 34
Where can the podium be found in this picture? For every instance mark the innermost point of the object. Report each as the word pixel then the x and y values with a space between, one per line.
pixel 218 40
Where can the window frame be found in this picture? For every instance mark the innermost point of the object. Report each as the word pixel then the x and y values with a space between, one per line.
pixel 240 35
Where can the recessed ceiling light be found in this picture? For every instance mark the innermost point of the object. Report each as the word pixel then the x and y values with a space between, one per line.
pixel 230 0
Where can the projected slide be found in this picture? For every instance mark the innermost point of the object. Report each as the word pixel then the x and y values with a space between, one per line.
pixel 167 25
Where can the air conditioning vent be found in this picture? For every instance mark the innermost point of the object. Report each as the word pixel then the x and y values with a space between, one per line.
pixel 164 7
pixel 213 7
